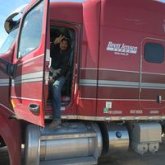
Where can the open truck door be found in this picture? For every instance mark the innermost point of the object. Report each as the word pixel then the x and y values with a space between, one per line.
pixel 28 84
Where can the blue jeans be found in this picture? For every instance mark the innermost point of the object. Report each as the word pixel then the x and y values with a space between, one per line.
pixel 56 89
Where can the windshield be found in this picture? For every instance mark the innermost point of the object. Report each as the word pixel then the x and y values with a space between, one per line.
pixel 9 41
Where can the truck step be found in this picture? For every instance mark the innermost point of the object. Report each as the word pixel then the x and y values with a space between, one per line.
pixel 74 161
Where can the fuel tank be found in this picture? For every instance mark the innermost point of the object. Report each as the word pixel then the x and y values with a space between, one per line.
pixel 72 143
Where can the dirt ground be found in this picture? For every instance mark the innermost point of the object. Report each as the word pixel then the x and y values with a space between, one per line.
pixel 127 158
pixel 132 158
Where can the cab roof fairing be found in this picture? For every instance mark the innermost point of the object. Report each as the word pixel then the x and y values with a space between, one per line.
pixel 78 1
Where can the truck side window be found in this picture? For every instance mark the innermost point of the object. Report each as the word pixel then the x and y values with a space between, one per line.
pixel 9 41
pixel 30 35
pixel 154 53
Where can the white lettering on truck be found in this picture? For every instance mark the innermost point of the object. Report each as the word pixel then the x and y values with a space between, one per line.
pixel 121 49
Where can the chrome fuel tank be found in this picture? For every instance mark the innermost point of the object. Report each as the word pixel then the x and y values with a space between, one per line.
pixel 72 143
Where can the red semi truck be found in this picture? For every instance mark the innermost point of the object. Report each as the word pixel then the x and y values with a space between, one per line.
pixel 114 96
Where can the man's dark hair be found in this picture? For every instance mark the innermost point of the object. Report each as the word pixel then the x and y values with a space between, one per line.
pixel 67 40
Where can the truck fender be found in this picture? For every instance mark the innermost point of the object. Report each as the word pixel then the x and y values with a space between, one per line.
pixel 10 132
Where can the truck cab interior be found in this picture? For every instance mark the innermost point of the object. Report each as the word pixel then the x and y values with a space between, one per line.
pixel 66 94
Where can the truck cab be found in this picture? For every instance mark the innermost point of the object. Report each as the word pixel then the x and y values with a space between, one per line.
pixel 114 91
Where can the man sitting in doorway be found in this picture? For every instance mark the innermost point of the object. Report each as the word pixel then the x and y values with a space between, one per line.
pixel 59 52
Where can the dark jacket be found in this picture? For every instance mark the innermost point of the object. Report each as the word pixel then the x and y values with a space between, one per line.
pixel 60 60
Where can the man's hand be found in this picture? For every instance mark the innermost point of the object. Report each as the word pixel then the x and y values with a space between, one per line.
pixel 58 39
pixel 51 80
pixel 55 72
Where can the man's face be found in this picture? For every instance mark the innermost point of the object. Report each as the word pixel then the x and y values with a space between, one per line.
pixel 63 45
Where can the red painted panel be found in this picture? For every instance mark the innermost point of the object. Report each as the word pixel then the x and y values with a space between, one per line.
pixel 151 94
pixel 119 108
pixel 31 88
pixel 87 92
pixel 89 55
pixel 88 73
pixel 117 93
pixel 66 11
pixel 118 75
pixel 124 28
pixel 86 107
pixel 153 78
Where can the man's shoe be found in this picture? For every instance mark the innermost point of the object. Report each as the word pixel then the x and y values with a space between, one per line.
pixel 54 124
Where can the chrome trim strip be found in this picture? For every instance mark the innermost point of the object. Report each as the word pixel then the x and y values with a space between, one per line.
pixel 117 70
pixel 152 86
pixel 105 69
pixel 48 55
pixel 4 82
pixel 25 98
pixel 88 82
pixel 115 118
pixel 150 73
pixel 31 59
pixel 30 77
pixel 2 105
pixel 68 136
pixel 111 118
pixel 107 99
pixel 120 84
pixel 46 77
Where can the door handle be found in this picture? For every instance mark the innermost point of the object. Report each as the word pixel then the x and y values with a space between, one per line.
pixel 34 108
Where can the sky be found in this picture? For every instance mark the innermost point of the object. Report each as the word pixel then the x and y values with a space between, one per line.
pixel 6 7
